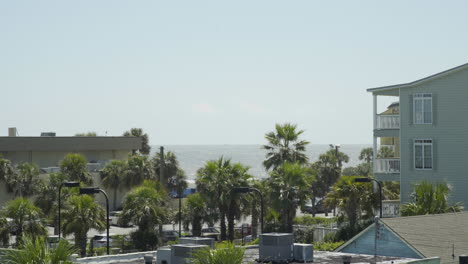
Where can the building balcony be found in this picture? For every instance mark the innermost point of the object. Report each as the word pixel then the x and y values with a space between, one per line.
pixel 388 122
pixel 387 166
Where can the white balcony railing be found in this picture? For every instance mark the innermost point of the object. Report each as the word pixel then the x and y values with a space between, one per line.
pixel 391 208
pixel 388 122
pixel 387 165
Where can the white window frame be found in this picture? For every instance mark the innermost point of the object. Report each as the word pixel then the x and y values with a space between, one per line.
pixel 422 97
pixel 422 143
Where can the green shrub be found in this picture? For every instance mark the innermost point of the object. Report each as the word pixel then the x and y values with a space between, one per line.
pixel 330 237
pixel 304 235
pixel 327 246
pixel 225 253
pixel 346 232
pixel 173 242
pixel 254 242
pixel 145 240
pixel 310 220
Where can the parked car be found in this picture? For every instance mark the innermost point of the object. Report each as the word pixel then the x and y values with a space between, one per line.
pixel 248 239
pixel 170 235
pixel 101 240
pixel 114 217
pixel 211 232
pixel 319 208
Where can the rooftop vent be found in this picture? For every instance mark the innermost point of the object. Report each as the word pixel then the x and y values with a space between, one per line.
pixel 12 132
pixel 47 134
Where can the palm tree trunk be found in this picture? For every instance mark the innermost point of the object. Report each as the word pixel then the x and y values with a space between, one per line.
pixel 291 215
pixel 254 222
pixel 313 206
pixel 196 226
pixel 115 199
pixel 222 222
pixel 80 240
pixel 231 215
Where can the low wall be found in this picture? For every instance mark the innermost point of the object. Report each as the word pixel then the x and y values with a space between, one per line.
pixel 124 258
pixel 435 260
pixel 321 232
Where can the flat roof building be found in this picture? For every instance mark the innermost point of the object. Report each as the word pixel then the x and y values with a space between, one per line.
pixel 48 151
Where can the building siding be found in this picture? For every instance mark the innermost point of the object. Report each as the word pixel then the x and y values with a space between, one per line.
pixel 449 132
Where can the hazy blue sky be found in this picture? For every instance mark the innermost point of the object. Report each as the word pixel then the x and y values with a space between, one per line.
pixel 216 72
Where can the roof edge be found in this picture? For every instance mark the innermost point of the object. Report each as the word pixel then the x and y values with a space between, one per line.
pixel 425 79
pixel 351 240
pixel 403 239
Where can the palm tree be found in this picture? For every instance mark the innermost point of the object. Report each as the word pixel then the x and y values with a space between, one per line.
pixel 355 200
pixel 171 164
pixel 178 182
pixel 6 169
pixel 138 169
pixel 366 155
pixel 145 206
pixel 328 167
pixel 196 212
pixel 74 166
pixel 253 205
pixel 26 181
pixel 138 132
pixel 36 251
pixel 239 178
pixel 284 145
pixel 113 175
pixel 4 231
pixel 80 215
pixel 175 179
pixel 26 218
pixel 290 188
pixel 385 152
pixel 430 198
pixel 213 183
pixel 47 194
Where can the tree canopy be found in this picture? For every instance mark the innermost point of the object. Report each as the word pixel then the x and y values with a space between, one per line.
pixel 430 198
pixel 138 132
pixel 284 145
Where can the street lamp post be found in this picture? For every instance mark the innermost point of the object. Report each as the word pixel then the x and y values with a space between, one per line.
pixel 179 196
pixel 64 184
pixel 93 190
pixel 248 190
pixel 380 188
pixel 338 162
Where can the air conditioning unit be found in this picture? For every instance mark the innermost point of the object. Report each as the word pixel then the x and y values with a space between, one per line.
pixel 276 247
pixel 163 255
pixel 48 134
pixel 197 241
pixel 303 252
pixel 182 253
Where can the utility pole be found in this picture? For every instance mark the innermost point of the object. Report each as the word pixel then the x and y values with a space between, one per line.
pixel 162 167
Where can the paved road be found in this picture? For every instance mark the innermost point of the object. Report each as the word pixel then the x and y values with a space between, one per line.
pixel 127 230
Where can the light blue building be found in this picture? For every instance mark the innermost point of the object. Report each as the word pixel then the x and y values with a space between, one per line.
pixel 429 132
pixel 419 237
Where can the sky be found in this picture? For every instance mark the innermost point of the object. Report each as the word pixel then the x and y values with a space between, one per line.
pixel 217 72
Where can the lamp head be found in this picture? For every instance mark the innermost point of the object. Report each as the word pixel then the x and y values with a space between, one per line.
pixel 242 189
pixel 89 190
pixel 362 180
pixel 71 184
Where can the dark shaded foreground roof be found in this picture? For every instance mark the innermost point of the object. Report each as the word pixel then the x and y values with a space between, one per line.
pixel 319 257
pixel 433 235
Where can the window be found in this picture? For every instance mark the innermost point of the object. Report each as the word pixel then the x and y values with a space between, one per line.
pixel 422 108
pixel 423 154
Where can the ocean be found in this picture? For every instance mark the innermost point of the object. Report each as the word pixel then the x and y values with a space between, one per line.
pixel 193 157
